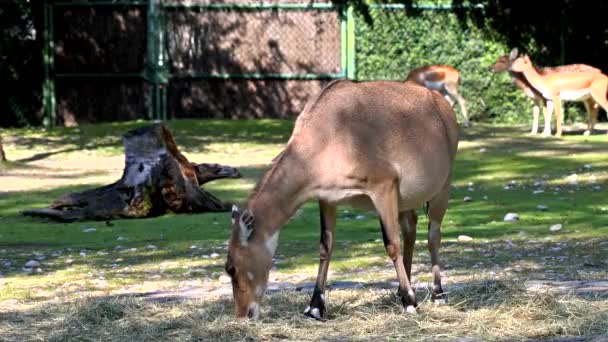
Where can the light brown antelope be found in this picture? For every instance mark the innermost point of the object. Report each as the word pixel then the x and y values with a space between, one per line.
pixel 387 146
pixel 444 79
pixel 568 86
pixel 503 63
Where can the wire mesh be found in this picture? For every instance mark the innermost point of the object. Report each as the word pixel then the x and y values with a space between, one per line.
pixel 233 42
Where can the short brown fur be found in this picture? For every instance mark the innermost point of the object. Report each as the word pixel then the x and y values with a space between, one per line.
pixel 503 63
pixel 444 79
pixel 581 86
pixel 386 146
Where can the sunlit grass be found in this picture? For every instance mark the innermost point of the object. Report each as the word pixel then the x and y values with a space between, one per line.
pixel 499 167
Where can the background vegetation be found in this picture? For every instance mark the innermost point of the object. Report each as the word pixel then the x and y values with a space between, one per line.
pixel 389 43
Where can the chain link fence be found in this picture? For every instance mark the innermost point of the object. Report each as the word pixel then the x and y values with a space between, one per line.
pixel 121 60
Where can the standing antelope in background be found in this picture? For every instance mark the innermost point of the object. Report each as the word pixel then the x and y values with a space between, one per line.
pixel 503 63
pixel 382 145
pixel 443 79
pixel 568 86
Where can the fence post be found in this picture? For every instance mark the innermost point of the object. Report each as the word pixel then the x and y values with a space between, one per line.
pixel 350 64
pixel 48 89
pixel 156 65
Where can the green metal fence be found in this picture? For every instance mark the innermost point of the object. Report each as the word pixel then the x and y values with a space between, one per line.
pixel 159 68
pixel 157 72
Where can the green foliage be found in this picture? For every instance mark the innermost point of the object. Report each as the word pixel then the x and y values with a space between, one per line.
pixel 396 41
pixel 20 63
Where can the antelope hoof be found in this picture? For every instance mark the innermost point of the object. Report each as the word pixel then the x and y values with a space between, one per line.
pixel 410 309
pixel 546 134
pixel 440 299
pixel 587 132
pixel 316 313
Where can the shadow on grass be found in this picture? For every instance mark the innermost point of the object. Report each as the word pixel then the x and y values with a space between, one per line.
pixel 190 135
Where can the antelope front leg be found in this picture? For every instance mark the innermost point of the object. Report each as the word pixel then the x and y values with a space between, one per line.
pixel 558 115
pixel 386 205
pixel 536 115
pixel 547 111
pixel 452 90
pixel 327 213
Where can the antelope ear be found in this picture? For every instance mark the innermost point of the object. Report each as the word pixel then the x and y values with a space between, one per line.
pixel 246 225
pixel 513 54
pixel 236 212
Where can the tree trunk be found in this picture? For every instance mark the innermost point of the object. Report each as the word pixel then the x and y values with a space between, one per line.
pixel 156 179
pixel 2 154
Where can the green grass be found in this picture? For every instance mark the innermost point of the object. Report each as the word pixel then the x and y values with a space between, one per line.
pixel 169 250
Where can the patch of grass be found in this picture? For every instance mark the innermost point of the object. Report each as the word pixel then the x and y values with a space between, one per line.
pixel 500 167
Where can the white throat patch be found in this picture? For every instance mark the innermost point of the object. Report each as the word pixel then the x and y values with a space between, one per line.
pixel 272 242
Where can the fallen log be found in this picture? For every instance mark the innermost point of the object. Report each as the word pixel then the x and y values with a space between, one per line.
pixel 157 179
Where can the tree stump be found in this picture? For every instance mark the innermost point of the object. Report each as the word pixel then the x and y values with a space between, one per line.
pixel 157 179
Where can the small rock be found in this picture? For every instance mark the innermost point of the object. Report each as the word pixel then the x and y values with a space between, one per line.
pixel 205 256
pixel 120 238
pixel 539 191
pixel 485 197
pixel 522 233
pixel 542 207
pixel 193 247
pixel 511 217
pixel 151 247
pixel 83 254
pixel 596 188
pixel 464 238
pixel 32 264
pixel 224 279
pixel 377 240
pixel 556 227
pixel 470 189
pixel 360 217
pixel 468 199
pixel 69 261
pixel 482 150
pixel 214 255
pixel 572 179
pixel 89 230
pixel 587 166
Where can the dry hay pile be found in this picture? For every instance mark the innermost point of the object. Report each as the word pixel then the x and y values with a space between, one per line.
pixel 488 311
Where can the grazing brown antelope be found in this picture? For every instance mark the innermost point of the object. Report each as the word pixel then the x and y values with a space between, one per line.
pixel 444 79
pixel 387 146
pixel 568 86
pixel 503 63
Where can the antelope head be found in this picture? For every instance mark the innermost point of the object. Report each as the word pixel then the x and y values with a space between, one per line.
pixel 521 63
pixel 503 63
pixel 249 260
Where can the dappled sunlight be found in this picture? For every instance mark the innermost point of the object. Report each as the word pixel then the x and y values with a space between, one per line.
pixel 167 272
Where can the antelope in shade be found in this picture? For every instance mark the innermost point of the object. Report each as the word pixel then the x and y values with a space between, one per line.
pixel 387 146
pixel 503 63
pixel 444 79
pixel 569 86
